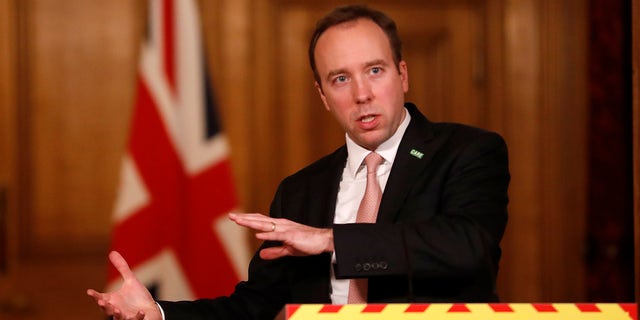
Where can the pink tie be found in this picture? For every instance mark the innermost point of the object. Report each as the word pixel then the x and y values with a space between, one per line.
pixel 367 213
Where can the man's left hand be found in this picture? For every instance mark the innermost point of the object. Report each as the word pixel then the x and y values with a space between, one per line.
pixel 297 239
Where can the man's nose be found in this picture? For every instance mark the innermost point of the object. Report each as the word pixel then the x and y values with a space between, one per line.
pixel 362 91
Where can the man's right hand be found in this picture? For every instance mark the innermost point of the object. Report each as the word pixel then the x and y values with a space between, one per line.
pixel 131 301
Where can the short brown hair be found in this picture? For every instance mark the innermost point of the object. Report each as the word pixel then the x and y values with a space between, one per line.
pixel 351 13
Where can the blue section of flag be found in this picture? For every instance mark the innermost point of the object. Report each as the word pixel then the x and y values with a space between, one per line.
pixel 211 114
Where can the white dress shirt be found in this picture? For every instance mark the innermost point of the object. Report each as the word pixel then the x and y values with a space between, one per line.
pixel 352 186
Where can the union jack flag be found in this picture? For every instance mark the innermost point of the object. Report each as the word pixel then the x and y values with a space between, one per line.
pixel 176 183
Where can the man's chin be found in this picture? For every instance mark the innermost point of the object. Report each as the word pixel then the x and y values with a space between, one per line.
pixel 371 140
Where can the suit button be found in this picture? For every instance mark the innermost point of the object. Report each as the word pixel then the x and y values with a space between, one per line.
pixel 375 266
pixel 384 265
pixel 366 266
pixel 358 267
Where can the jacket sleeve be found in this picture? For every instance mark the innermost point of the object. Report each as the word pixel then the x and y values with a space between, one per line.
pixel 261 297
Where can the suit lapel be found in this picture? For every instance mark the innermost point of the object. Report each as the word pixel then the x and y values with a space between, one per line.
pixel 414 154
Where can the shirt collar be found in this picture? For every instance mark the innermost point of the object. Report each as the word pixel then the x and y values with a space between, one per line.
pixel 387 149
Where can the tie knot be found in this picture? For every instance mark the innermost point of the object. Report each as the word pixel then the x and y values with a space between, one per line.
pixel 373 160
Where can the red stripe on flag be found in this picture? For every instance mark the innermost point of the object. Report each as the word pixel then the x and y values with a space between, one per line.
pixel 168 27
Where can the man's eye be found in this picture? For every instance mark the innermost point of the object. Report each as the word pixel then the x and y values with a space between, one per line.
pixel 376 70
pixel 340 79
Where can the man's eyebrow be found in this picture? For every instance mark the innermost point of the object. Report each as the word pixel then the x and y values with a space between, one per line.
pixel 376 62
pixel 335 72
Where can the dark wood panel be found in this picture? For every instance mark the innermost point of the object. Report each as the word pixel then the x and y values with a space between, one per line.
pixel 7 132
pixel 635 35
pixel 610 197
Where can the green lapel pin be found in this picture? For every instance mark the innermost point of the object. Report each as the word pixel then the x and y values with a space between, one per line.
pixel 416 153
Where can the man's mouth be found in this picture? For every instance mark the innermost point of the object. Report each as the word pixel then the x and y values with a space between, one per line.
pixel 367 119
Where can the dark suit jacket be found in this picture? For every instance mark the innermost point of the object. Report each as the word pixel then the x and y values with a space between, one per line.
pixel 436 239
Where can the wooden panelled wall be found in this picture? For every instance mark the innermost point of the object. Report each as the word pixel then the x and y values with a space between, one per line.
pixel 67 72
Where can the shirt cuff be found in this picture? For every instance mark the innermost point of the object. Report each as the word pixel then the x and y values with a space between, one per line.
pixel 161 311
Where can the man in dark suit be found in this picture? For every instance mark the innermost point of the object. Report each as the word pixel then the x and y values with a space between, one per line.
pixel 439 190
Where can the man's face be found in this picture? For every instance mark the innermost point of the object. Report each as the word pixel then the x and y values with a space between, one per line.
pixel 360 84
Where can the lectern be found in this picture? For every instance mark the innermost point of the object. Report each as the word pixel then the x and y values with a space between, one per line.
pixel 465 311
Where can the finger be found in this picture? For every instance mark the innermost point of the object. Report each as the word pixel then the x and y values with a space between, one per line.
pixel 274 253
pixel 249 216
pixel 116 313
pixel 100 300
pixel 258 217
pixel 273 236
pixel 94 294
pixel 121 265
pixel 256 224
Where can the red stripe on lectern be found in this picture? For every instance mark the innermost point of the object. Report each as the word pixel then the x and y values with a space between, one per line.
pixel 458 307
pixel 291 309
pixel 373 308
pixel 631 308
pixel 418 308
pixel 587 307
pixel 500 307
pixel 544 307
pixel 330 308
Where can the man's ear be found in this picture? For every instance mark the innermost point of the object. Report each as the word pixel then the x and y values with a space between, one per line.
pixel 322 96
pixel 404 75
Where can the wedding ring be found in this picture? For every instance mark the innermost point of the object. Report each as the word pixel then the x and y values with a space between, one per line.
pixel 273 226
